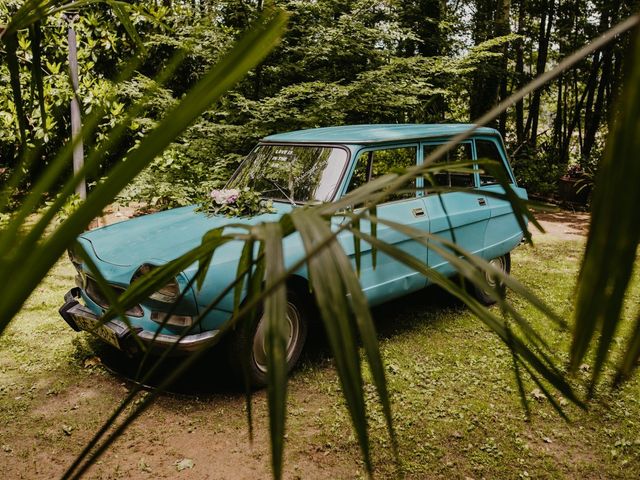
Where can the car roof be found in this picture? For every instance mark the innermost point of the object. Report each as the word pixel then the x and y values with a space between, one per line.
pixel 360 134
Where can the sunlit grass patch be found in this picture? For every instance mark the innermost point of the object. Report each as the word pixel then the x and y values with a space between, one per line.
pixel 455 399
pixel 455 402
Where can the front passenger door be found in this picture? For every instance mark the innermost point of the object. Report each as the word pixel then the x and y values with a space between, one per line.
pixel 390 278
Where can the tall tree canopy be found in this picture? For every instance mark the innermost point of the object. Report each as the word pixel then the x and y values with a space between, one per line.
pixel 341 61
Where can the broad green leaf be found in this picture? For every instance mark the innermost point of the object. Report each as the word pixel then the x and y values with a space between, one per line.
pixel 631 356
pixel 120 9
pixel 211 237
pixel 246 54
pixel 366 329
pixel 275 311
pixel 244 265
pixel 613 238
pixel 356 246
pixel 329 290
pixel 255 277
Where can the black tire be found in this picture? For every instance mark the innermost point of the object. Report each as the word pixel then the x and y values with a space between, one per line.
pixel 503 263
pixel 248 337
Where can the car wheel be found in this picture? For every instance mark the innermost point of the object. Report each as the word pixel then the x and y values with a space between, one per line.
pixel 502 263
pixel 254 336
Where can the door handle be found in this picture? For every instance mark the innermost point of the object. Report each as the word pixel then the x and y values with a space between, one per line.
pixel 417 212
pixel 482 202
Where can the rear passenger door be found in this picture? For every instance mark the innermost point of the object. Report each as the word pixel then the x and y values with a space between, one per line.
pixel 503 231
pixel 460 216
pixel 390 278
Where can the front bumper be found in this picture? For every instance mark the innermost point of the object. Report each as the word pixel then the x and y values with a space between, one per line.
pixel 117 333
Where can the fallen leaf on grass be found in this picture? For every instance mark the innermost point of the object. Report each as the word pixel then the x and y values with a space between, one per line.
pixel 537 394
pixel 92 362
pixel 144 466
pixel 184 464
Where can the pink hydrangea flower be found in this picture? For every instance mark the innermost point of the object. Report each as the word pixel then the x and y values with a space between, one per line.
pixel 225 197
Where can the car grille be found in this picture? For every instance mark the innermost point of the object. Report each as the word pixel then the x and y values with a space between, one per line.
pixel 95 293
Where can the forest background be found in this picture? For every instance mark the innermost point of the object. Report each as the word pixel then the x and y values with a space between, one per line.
pixel 340 62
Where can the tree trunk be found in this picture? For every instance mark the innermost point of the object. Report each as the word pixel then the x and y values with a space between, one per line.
pixel 491 20
pixel 503 28
pixel 519 73
pixel 591 128
pixel 546 22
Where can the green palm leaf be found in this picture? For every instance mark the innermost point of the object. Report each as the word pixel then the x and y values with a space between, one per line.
pixel 613 238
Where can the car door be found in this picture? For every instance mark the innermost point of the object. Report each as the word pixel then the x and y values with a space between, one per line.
pixel 459 216
pixel 389 278
pixel 503 232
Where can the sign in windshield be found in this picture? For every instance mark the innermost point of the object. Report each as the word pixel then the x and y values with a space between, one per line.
pixel 294 173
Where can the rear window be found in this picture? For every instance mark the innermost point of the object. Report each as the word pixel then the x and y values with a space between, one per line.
pixel 488 150
pixel 459 153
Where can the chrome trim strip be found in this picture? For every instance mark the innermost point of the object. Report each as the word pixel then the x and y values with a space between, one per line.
pixel 189 343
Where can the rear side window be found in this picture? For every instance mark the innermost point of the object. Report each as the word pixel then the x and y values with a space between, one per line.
pixel 376 163
pixel 488 150
pixel 460 153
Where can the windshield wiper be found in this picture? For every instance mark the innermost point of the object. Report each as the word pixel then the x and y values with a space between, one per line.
pixel 291 201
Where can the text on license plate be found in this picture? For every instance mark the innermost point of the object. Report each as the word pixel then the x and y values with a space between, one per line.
pixel 94 326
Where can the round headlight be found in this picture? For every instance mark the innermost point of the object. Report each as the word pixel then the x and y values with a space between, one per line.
pixel 167 294
pixel 74 256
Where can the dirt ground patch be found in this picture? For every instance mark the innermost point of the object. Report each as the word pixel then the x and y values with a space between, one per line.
pixel 561 225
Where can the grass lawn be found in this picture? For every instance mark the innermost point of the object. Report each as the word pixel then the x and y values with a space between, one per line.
pixel 455 402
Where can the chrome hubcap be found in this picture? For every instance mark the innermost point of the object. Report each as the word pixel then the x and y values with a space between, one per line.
pixel 500 265
pixel 292 335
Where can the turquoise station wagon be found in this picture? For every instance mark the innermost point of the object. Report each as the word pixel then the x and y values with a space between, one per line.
pixel 307 166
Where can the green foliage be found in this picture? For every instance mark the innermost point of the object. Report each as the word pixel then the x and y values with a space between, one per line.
pixel 71 204
pixel 613 240
pixel 100 41
pixel 338 63
pixel 536 170
pixel 176 179
pixel 30 250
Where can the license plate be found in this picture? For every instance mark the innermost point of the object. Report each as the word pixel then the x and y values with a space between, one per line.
pixel 93 325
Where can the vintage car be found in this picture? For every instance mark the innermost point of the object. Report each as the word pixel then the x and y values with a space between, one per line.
pixel 307 166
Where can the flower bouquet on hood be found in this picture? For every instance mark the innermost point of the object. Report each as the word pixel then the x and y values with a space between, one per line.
pixel 233 202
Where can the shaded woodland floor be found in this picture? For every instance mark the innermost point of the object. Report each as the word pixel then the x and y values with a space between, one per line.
pixel 454 397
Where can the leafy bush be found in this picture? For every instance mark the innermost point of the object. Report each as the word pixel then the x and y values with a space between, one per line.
pixel 181 176
pixel 536 171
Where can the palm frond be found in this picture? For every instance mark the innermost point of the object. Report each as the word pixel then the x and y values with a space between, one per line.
pixel 613 238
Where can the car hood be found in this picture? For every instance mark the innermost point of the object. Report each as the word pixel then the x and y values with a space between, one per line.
pixel 162 236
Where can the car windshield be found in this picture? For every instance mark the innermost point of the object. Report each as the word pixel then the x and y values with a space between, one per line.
pixel 295 173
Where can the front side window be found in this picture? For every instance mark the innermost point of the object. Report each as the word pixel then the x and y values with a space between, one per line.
pixel 459 153
pixel 295 173
pixel 375 163
pixel 488 150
